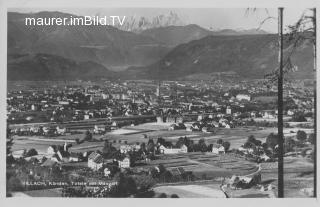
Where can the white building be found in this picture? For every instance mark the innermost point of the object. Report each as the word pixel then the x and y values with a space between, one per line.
pixel 125 163
pixel 218 149
pixel 95 161
pixel 182 149
pixel 73 157
pixel 269 114
pixel 99 129
pixel 228 110
pixel 107 172
pixel 127 148
pixel 51 150
pixel 61 130
pixel 241 97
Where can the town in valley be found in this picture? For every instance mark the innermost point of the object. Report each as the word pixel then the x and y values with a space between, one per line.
pixel 144 138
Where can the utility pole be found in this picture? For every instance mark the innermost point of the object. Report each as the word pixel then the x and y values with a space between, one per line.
pixel 280 105
pixel 315 101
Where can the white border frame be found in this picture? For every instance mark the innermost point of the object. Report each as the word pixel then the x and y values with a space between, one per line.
pixel 4 4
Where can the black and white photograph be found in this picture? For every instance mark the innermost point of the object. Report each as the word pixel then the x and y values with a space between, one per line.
pixel 160 101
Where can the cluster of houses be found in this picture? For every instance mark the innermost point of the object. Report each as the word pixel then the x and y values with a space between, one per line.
pixel 249 151
pixel 61 154
pixel 40 130
pixel 95 160
pixel 216 149
pixel 129 148
pixel 210 125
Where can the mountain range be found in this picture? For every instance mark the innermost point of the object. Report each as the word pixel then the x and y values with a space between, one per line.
pixel 52 67
pixel 175 35
pixel 158 51
pixel 247 56
pixel 105 45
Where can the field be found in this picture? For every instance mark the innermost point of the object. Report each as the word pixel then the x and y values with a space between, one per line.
pixel 298 170
pixel 191 191
pixel 210 165
pixel 236 136
pixel 134 134
pixel 298 175
pixel 141 133
pixel 298 180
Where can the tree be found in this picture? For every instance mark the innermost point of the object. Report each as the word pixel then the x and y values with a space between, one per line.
pixel 31 152
pixel 162 169
pixel 108 150
pixel 272 140
pixel 258 143
pixel 150 146
pixel 126 186
pixel 249 145
pixel 163 195
pixel 9 145
pixel 144 182
pixel 161 141
pixel 174 196
pixel 289 144
pixel 202 145
pixel 88 135
pixel 14 184
pixel 265 146
pixel 180 142
pixel 301 136
pixel 251 138
pixel 143 147
pixel 77 140
pixel 299 117
pixel 226 145
pixel 312 138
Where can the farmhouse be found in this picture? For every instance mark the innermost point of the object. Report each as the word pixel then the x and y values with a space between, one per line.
pixel 164 150
pixel 52 150
pixel 124 163
pixel 128 148
pixel 61 130
pixel 74 157
pixel 269 114
pixel 218 149
pixel 247 150
pixel 98 129
pixel 177 126
pixel 95 161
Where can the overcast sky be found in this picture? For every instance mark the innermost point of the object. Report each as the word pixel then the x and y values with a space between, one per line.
pixel 194 12
pixel 210 18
